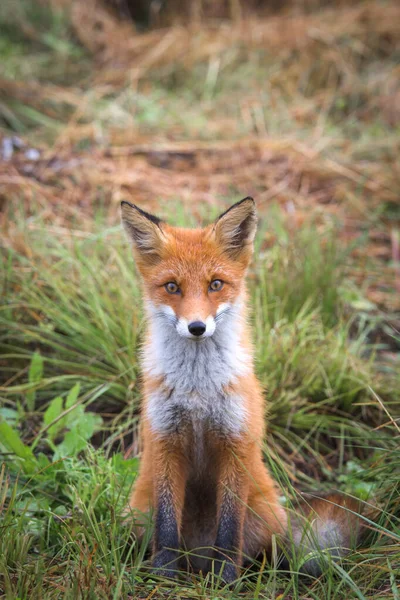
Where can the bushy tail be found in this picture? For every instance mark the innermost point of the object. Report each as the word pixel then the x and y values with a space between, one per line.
pixel 324 524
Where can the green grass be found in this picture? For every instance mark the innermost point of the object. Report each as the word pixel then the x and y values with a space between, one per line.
pixel 70 324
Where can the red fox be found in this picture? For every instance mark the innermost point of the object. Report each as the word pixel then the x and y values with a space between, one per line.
pixel 202 473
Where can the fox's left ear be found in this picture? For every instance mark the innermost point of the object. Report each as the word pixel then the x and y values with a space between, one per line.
pixel 236 228
pixel 144 230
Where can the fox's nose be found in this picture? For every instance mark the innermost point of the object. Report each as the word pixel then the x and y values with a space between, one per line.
pixel 197 328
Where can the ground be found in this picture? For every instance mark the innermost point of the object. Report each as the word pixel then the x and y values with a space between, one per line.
pixel 299 109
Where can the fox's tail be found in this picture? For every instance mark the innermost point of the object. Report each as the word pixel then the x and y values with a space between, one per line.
pixel 324 524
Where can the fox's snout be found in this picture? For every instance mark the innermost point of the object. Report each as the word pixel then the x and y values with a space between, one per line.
pixel 196 329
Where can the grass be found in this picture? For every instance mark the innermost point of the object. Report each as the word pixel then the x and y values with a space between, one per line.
pixel 300 113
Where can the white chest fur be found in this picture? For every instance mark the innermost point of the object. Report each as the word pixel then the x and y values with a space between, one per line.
pixel 196 376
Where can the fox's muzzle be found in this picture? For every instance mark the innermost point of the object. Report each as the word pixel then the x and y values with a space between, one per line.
pixel 196 329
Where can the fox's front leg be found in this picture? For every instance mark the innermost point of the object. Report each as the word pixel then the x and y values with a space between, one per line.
pixel 232 500
pixel 169 492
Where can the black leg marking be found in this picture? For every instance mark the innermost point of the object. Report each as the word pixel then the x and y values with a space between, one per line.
pixel 166 538
pixel 227 539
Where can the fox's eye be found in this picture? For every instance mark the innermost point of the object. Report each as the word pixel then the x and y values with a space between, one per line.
pixel 171 288
pixel 216 285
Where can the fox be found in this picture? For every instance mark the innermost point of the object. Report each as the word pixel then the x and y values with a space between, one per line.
pixel 202 479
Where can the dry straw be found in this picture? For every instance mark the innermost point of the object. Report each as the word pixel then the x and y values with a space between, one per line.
pixel 324 173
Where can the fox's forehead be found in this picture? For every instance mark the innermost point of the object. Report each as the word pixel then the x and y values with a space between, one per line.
pixel 190 252
pixel 190 241
pixel 184 270
pixel 190 258
pixel 190 267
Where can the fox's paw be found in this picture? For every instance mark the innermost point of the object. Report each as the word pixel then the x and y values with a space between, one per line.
pixel 165 573
pixel 165 564
pixel 228 572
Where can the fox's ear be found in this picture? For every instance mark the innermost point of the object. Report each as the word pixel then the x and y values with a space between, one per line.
pixel 143 229
pixel 235 228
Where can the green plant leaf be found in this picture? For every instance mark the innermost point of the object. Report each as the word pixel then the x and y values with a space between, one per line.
pixel 35 375
pixel 72 444
pixel 72 395
pixel 77 412
pixel 53 411
pixel 9 415
pixel 11 440
pixel 87 426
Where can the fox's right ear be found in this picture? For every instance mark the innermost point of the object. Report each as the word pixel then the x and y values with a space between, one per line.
pixel 143 229
pixel 236 227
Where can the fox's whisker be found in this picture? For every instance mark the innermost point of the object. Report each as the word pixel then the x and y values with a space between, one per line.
pixel 169 318
pixel 222 314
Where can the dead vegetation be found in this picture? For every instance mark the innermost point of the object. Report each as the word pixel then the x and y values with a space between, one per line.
pixel 299 110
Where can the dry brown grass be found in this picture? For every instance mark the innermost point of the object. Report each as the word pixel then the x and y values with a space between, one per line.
pixel 370 26
pixel 343 54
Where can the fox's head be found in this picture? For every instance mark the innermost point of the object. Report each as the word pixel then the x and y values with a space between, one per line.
pixel 192 277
